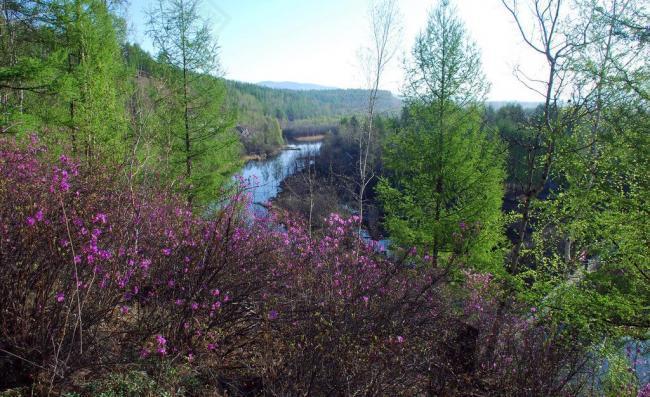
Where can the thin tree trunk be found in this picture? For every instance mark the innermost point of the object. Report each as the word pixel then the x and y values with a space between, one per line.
pixel 186 115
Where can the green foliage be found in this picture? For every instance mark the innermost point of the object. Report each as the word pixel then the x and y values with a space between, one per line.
pixel 446 176
pixel 92 89
pixel 289 106
pixel 265 135
pixel 593 235
pixel 131 384
pixel 442 185
pixel 204 148
pixel 513 125
pixel 588 260
pixel 167 380
pixel 213 148
pixel 619 380
pixel 297 112
pixel 65 74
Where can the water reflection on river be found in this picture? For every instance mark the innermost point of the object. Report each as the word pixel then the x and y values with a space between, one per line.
pixel 265 176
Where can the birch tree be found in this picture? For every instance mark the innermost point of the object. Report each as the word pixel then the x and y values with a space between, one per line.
pixel 385 29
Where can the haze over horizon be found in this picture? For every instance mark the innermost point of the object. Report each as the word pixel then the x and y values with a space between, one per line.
pixel 317 43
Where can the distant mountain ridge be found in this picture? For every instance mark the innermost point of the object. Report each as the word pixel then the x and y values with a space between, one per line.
pixel 294 86
pixel 290 85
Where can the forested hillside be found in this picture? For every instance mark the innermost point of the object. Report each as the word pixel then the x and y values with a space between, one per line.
pixel 263 113
pixel 262 110
pixel 290 105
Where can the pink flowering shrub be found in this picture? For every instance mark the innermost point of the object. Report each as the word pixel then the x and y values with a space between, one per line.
pixel 98 274
pixel 645 391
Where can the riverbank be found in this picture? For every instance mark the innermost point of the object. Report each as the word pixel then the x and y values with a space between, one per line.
pixel 265 156
pixel 265 173
pixel 310 138
pixel 311 193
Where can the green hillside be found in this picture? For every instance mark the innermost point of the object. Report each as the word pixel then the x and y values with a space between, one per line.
pixel 263 113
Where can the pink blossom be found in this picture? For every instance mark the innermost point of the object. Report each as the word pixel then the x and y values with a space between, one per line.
pixel 64 185
pixel 31 221
pixel 145 264
pixel 644 391
pixel 60 297
pixel 100 218
pixel 167 251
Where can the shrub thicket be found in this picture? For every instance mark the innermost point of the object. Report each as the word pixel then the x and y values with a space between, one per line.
pixel 105 280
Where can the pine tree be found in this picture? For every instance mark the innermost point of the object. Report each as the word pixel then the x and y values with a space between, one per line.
pixel 199 126
pixel 446 176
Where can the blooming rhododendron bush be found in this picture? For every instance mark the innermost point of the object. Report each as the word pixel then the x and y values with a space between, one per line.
pixel 96 274
pixel 100 276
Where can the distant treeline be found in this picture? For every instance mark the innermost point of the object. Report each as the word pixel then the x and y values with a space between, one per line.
pixel 289 105
pixel 296 112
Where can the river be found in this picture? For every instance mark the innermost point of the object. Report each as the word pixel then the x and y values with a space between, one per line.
pixel 264 177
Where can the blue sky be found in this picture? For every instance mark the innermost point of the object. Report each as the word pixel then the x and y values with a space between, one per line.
pixel 317 41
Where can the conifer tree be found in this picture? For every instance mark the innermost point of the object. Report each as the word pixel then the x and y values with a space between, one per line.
pixel 64 71
pixel 446 176
pixel 203 144
pixel 93 89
